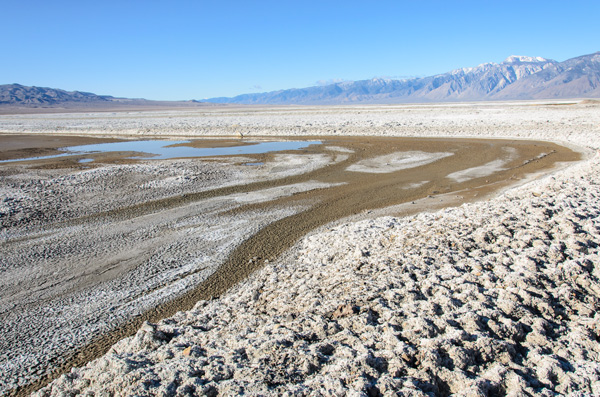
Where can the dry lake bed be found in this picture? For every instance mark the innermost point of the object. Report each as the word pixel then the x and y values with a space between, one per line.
pixel 191 226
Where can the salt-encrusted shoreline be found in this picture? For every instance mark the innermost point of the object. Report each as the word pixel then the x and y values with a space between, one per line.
pixel 494 297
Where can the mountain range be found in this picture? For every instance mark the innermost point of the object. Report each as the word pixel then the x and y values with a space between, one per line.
pixel 20 98
pixel 518 77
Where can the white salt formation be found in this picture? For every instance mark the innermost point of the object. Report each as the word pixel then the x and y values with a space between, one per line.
pixel 396 162
pixel 493 297
pixel 498 297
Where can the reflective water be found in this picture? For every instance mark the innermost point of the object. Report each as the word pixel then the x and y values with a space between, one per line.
pixel 160 150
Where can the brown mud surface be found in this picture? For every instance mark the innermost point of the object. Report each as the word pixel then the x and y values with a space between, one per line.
pixel 352 194
pixel 18 146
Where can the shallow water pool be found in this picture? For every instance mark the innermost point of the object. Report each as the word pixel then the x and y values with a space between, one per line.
pixel 162 150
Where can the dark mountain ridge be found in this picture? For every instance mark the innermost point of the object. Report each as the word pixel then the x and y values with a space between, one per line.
pixel 17 98
pixel 17 94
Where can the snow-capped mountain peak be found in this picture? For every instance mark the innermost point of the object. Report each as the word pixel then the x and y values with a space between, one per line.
pixel 518 77
pixel 525 59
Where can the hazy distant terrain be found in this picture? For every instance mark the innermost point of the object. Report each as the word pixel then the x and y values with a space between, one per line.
pixel 19 98
pixel 518 77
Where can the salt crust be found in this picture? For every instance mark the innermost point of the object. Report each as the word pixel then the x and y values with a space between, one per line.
pixel 489 298
pixel 396 162
pixel 59 320
pixel 484 170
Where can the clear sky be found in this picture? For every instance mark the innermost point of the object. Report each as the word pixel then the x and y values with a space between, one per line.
pixel 179 50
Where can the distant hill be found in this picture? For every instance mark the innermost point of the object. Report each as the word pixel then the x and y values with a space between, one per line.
pixel 16 94
pixel 19 98
pixel 518 77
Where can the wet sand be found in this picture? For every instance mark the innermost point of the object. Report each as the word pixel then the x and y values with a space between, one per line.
pixel 20 146
pixel 342 194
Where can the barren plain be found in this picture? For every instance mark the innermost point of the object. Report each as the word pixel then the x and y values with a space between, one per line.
pixel 496 294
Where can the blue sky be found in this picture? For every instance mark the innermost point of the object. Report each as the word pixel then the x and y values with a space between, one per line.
pixel 178 50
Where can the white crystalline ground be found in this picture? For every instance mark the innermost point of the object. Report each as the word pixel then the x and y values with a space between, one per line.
pixel 484 170
pixel 497 297
pixel 396 161
pixel 184 246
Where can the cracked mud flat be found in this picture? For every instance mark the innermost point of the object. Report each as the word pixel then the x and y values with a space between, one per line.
pixel 471 299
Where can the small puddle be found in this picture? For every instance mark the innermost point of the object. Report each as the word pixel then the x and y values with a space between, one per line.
pixel 163 150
